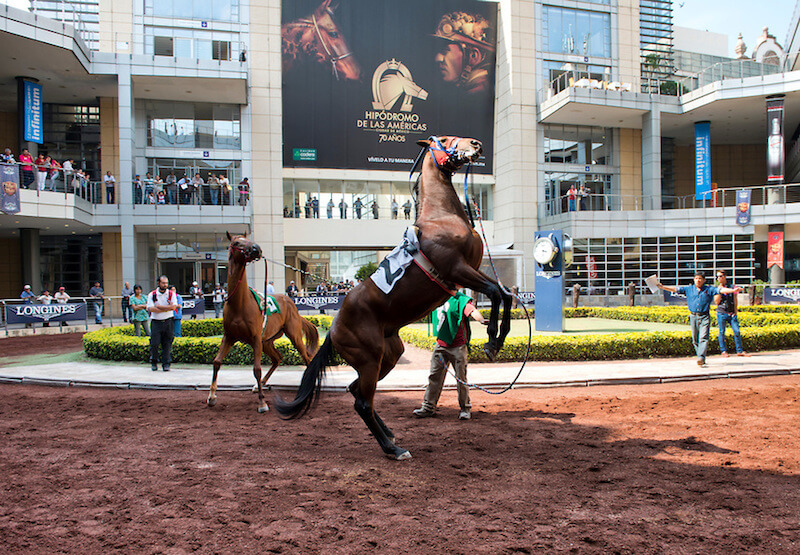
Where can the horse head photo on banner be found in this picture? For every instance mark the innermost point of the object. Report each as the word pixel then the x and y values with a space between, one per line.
pixel 317 37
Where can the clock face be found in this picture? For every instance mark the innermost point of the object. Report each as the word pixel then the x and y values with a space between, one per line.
pixel 544 250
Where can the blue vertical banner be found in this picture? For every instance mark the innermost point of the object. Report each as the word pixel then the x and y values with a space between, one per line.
pixel 702 160
pixel 32 112
pixel 743 207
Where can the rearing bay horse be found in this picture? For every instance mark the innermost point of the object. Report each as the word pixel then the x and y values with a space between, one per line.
pixel 317 37
pixel 365 332
pixel 241 318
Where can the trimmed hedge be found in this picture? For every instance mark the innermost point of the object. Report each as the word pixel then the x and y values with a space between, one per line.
pixel 618 346
pixel 199 344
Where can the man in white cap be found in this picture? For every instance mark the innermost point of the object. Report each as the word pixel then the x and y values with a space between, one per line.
pixel 27 297
pixel 292 289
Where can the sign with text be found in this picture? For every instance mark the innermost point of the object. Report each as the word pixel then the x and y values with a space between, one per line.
pixel 32 112
pixel 332 302
pixel 785 295
pixel 193 306
pixel 39 313
pixel 702 160
pixel 363 81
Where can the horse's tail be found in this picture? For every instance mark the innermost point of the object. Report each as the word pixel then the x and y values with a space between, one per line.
pixel 311 384
pixel 312 336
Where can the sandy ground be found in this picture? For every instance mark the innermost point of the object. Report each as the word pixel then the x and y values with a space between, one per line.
pixel 707 466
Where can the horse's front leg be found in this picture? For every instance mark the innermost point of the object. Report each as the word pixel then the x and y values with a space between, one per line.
pixel 257 352
pixel 224 348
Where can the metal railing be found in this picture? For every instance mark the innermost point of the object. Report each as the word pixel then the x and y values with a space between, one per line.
pixel 58 180
pixel 738 69
pixel 160 194
pixel 760 195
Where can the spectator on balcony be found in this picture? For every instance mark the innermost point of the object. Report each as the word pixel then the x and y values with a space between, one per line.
pixel 357 206
pixel 375 213
pixel 213 188
pixel 109 182
pixel 55 173
pixel 197 189
pixel 584 194
pixel 572 196
pixel 308 209
pixel 27 168
pixel 7 157
pixel 41 172
pixel 68 171
pixel 172 188
pixel 315 206
pixel 225 187
pixel 161 198
pixel 407 209
pixel 394 208
pixel 28 295
pixel 329 209
pixel 151 198
pixel 244 193
pixel 343 209
pixel 138 188
pixel 184 189
pixel 158 184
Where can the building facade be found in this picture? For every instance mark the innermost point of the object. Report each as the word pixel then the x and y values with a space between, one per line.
pixel 591 95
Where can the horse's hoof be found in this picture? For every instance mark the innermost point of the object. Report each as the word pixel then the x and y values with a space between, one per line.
pixel 211 401
pixel 405 455
pixel 263 409
pixel 255 389
pixel 490 353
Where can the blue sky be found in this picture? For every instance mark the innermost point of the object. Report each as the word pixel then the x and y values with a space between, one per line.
pixel 731 17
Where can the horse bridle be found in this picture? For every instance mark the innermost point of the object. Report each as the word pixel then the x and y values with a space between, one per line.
pixel 331 52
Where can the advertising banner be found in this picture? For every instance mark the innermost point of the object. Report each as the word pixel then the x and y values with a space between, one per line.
pixel 702 160
pixel 527 297
pixel 332 302
pixel 32 106
pixel 785 295
pixel 39 313
pixel 775 249
pixel 193 306
pixel 775 150
pixel 9 198
pixel 363 81
pixel 743 207
pixel 674 298
pixel 591 267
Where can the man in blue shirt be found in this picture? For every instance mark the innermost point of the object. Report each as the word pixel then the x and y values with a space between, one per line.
pixel 698 299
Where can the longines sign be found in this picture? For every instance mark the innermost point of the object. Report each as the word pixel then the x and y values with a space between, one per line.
pixel 38 313
pixel 364 80
pixel 333 302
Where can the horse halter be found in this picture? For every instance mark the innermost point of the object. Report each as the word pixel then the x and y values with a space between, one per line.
pixel 331 52
pixel 447 158
pixel 244 251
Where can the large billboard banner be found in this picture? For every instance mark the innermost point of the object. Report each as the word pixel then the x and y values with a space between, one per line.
pixel 363 81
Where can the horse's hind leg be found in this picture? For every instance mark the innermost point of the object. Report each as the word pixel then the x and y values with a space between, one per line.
pixel 224 349
pixel 274 355
pixel 293 329
pixel 353 388
pixel 364 392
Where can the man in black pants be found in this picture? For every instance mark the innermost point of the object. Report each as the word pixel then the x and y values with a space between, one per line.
pixel 161 304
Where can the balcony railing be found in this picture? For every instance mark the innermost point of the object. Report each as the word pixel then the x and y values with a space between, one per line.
pixel 761 195
pixel 162 194
pixel 68 182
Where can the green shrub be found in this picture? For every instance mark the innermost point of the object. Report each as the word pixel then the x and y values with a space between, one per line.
pixel 195 347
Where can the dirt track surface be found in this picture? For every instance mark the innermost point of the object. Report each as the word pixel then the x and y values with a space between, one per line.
pixel 56 343
pixel 705 467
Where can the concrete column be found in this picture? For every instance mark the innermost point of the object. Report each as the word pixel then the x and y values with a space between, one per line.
pixel 30 259
pixel 125 128
pixel 651 159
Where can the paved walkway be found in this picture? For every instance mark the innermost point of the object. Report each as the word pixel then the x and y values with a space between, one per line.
pixel 411 373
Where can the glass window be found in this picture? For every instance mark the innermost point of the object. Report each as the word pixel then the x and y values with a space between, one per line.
pixel 183 48
pixel 203 49
pixel 219 10
pixel 220 50
pixel 162 46
pixel 578 32
pixel 572 144
pixel 193 125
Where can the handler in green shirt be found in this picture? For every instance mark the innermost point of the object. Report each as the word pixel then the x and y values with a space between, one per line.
pixel 451 324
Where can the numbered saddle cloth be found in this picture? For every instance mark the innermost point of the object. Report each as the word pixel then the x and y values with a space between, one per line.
pixel 272 304
pixel 394 265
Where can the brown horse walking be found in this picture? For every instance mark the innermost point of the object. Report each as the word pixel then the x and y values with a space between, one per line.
pixel 318 38
pixel 288 321
pixel 365 332
pixel 241 318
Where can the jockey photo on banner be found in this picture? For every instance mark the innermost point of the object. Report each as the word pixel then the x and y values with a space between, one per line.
pixel 365 80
